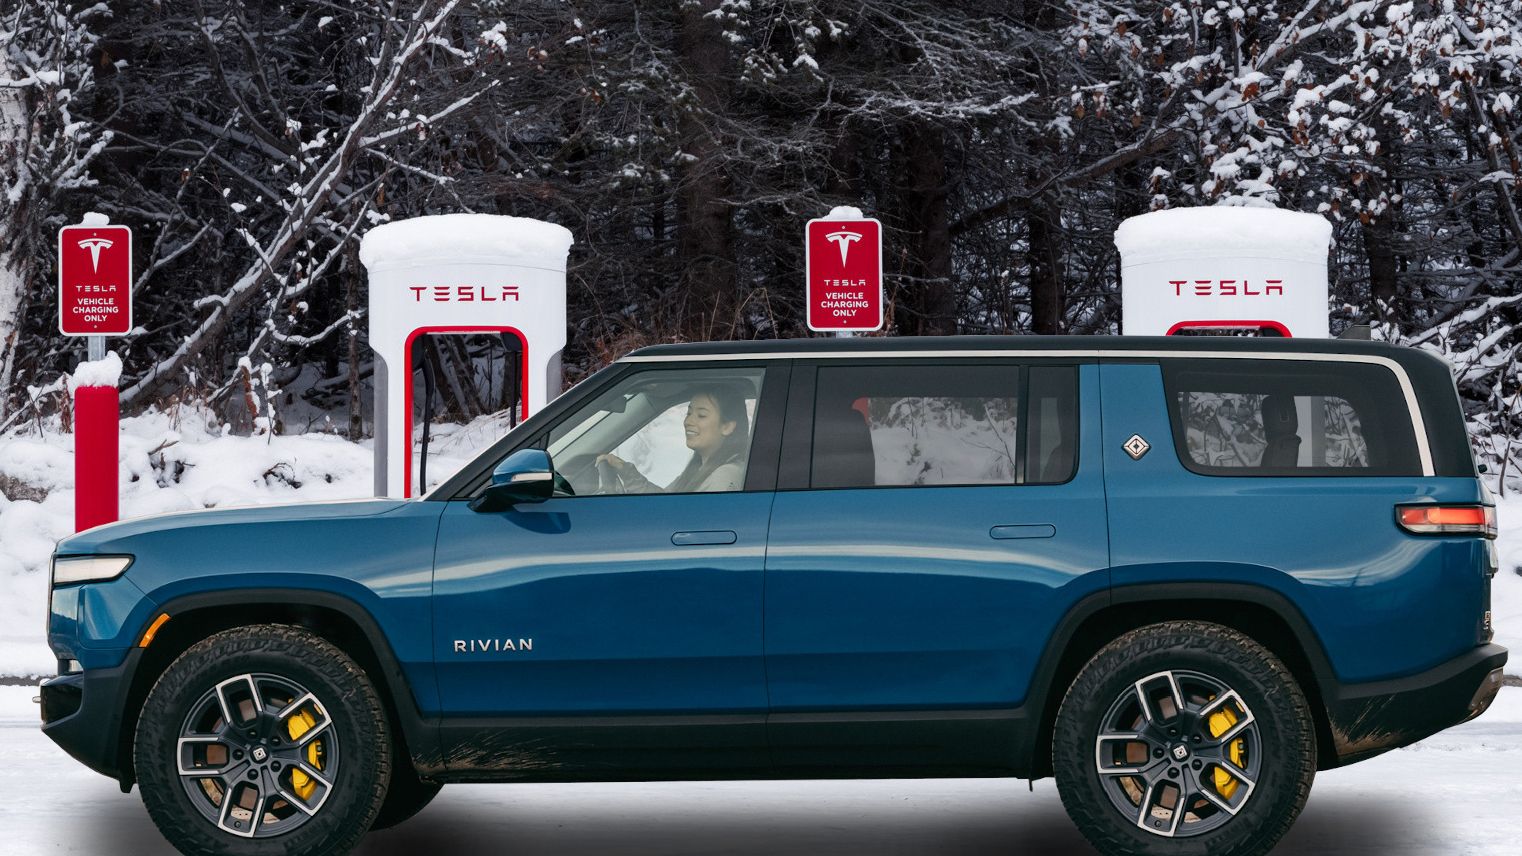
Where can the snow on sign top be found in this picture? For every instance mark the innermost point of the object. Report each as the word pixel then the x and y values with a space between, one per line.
pixel 453 238
pixel 1184 233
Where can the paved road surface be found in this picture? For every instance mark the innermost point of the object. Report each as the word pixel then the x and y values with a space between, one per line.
pixel 1457 793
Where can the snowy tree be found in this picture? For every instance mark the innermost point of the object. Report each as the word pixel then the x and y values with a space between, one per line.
pixel 684 144
pixel 45 150
pixel 316 200
pixel 1397 121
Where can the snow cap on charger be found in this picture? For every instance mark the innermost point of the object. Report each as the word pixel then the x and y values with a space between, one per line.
pixel 456 238
pixel 1224 268
pixel 1223 230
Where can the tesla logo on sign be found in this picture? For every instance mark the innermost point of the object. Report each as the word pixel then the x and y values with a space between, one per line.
pixel 463 293
pixel 95 245
pixel 94 280
pixel 843 239
pixel 1226 287
pixel 844 274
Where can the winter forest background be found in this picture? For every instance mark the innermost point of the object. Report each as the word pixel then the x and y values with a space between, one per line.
pixel 249 145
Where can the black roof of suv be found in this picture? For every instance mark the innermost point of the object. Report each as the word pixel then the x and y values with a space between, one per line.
pixel 1182 344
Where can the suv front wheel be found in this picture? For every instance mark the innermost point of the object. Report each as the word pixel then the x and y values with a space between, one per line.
pixel 260 740
pixel 1184 738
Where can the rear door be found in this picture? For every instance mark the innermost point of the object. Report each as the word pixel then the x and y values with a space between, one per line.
pixel 937 518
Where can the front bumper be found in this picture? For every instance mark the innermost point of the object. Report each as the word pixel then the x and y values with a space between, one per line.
pixel 83 714
pixel 1368 719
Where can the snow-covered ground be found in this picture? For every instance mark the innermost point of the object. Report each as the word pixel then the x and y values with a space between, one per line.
pixel 173 462
pixel 1456 793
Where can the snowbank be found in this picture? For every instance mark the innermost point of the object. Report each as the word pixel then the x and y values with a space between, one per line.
pixel 1180 233
pixel 169 463
pixel 454 238
pixel 1506 591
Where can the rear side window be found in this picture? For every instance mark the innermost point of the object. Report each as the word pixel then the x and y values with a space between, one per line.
pixel 1278 418
pixel 942 425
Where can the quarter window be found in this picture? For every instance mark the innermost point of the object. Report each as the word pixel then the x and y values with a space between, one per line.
pixel 1263 417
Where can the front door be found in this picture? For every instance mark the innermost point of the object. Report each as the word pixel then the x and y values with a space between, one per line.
pixel 574 633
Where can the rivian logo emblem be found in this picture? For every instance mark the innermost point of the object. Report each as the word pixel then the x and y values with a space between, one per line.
pixel 494 645
pixel 1136 447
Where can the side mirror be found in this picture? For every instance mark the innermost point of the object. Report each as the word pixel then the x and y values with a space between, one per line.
pixel 528 475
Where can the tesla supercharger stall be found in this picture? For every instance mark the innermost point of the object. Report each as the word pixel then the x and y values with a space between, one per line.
pixel 1224 269
pixel 459 274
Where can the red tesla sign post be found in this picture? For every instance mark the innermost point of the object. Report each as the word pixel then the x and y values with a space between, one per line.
pixel 95 300
pixel 844 273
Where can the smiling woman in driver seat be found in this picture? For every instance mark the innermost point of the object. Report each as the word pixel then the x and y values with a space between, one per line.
pixel 718 433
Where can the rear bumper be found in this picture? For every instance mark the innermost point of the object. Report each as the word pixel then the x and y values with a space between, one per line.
pixel 83 714
pixel 1368 719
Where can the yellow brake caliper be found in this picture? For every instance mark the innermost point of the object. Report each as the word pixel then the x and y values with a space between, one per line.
pixel 1220 722
pixel 296 726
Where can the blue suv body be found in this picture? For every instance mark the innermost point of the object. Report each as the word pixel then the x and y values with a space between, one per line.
pixel 936 557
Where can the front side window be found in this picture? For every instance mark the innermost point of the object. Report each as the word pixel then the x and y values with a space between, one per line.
pixel 1263 417
pixel 661 431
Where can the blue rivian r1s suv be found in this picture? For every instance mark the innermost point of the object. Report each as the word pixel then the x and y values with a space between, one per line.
pixel 1179 575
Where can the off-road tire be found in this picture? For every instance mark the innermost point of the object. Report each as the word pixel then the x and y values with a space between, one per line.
pixel 408 795
pixel 358 718
pixel 1270 691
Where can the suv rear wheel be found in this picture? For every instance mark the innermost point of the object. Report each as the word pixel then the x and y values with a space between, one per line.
pixel 261 740
pixel 1184 738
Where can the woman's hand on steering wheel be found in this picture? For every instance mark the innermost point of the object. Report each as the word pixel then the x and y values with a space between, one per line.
pixel 610 473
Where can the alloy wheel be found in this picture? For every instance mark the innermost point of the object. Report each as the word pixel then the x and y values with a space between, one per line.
pixel 258 755
pixel 1178 753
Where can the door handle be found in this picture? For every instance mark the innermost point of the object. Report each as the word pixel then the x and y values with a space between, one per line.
pixel 699 539
pixel 1022 530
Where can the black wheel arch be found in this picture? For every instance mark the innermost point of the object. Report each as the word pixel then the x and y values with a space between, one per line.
pixel 1267 616
pixel 336 618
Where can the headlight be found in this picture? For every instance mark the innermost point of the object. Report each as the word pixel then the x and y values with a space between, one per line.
pixel 68 570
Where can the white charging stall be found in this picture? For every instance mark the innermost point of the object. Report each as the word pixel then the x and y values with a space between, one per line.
pixel 1222 269
pixel 459 273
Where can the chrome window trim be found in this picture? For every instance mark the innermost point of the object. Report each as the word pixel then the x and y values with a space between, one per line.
pixel 1418 425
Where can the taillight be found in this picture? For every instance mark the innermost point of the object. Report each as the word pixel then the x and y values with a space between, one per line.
pixel 1447 519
